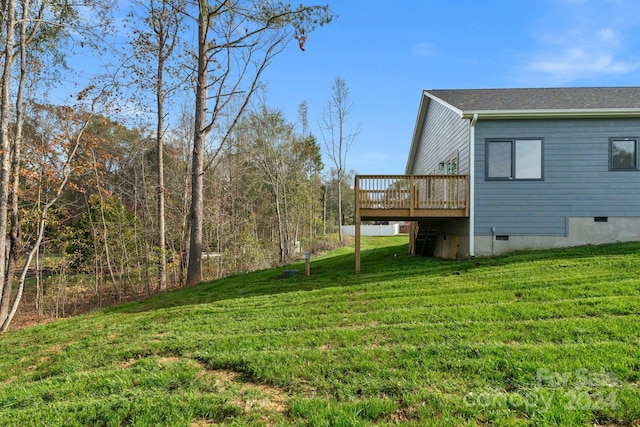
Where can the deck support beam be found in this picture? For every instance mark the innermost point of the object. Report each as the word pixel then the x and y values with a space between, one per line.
pixel 357 245
pixel 357 222
pixel 412 237
pixel 408 198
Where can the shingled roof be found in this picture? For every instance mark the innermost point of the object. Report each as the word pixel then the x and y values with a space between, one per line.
pixel 529 103
pixel 575 100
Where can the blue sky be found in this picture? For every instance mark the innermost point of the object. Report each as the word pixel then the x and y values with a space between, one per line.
pixel 389 52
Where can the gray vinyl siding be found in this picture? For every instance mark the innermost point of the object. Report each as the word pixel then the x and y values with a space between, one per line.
pixel 444 134
pixel 577 180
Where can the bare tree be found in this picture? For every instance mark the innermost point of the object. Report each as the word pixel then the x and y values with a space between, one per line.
pixel 9 19
pixel 312 160
pixel 43 26
pixel 271 141
pixel 336 136
pixel 236 42
pixel 82 120
pixel 154 44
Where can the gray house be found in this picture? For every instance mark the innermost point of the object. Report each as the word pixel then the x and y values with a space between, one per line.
pixel 534 168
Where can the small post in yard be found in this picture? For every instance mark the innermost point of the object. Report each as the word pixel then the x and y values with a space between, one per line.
pixel 307 262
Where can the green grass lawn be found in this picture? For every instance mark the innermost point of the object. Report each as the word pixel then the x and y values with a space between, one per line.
pixel 538 338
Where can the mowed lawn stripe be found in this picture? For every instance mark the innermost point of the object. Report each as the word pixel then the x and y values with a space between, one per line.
pixel 541 338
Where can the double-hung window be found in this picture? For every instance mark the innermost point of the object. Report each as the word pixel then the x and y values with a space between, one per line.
pixel 513 159
pixel 623 154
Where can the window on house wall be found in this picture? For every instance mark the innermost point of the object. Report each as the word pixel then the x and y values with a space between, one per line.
pixel 451 166
pixel 514 159
pixel 623 154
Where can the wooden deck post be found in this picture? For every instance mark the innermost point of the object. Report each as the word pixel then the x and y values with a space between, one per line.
pixel 412 237
pixel 357 225
pixel 412 196
pixel 387 198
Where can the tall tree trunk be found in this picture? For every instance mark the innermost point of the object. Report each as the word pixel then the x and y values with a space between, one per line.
pixel 97 265
pixel 339 141
pixel 340 205
pixel 147 251
pixel 324 211
pixel 39 302
pixel 6 321
pixel 105 233
pixel 240 58
pixel 287 223
pixel 162 259
pixel 183 249
pixel 185 232
pixel 15 237
pixel 281 225
pixel 5 138
pixel 194 269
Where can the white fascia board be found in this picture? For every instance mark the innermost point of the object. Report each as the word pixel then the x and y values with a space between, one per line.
pixel 417 133
pixel 553 114
pixel 446 104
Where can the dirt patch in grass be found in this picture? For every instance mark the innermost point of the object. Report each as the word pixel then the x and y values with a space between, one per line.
pixel 112 336
pixel 27 316
pixel 403 415
pixel 58 348
pixel 252 396
pixel 168 360
pixel 203 423
pixel 127 363
pixel 258 401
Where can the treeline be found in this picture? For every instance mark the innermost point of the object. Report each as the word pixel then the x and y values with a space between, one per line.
pixel 266 201
pixel 161 168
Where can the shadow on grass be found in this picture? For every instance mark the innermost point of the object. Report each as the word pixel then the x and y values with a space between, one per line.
pixel 327 271
pixel 378 264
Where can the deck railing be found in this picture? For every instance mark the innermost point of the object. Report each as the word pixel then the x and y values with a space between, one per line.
pixel 414 192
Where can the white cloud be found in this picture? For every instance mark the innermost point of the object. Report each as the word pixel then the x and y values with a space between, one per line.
pixel 578 54
pixel 608 35
pixel 577 61
pixel 572 44
pixel 424 49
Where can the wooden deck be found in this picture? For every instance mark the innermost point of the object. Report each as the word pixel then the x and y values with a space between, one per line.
pixel 409 198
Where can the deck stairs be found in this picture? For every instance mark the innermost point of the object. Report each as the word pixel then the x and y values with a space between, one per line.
pixel 426 238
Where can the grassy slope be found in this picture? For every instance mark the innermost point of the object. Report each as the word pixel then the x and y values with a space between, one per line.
pixel 543 338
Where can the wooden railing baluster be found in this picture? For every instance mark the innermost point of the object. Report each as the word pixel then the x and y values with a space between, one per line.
pixel 413 192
